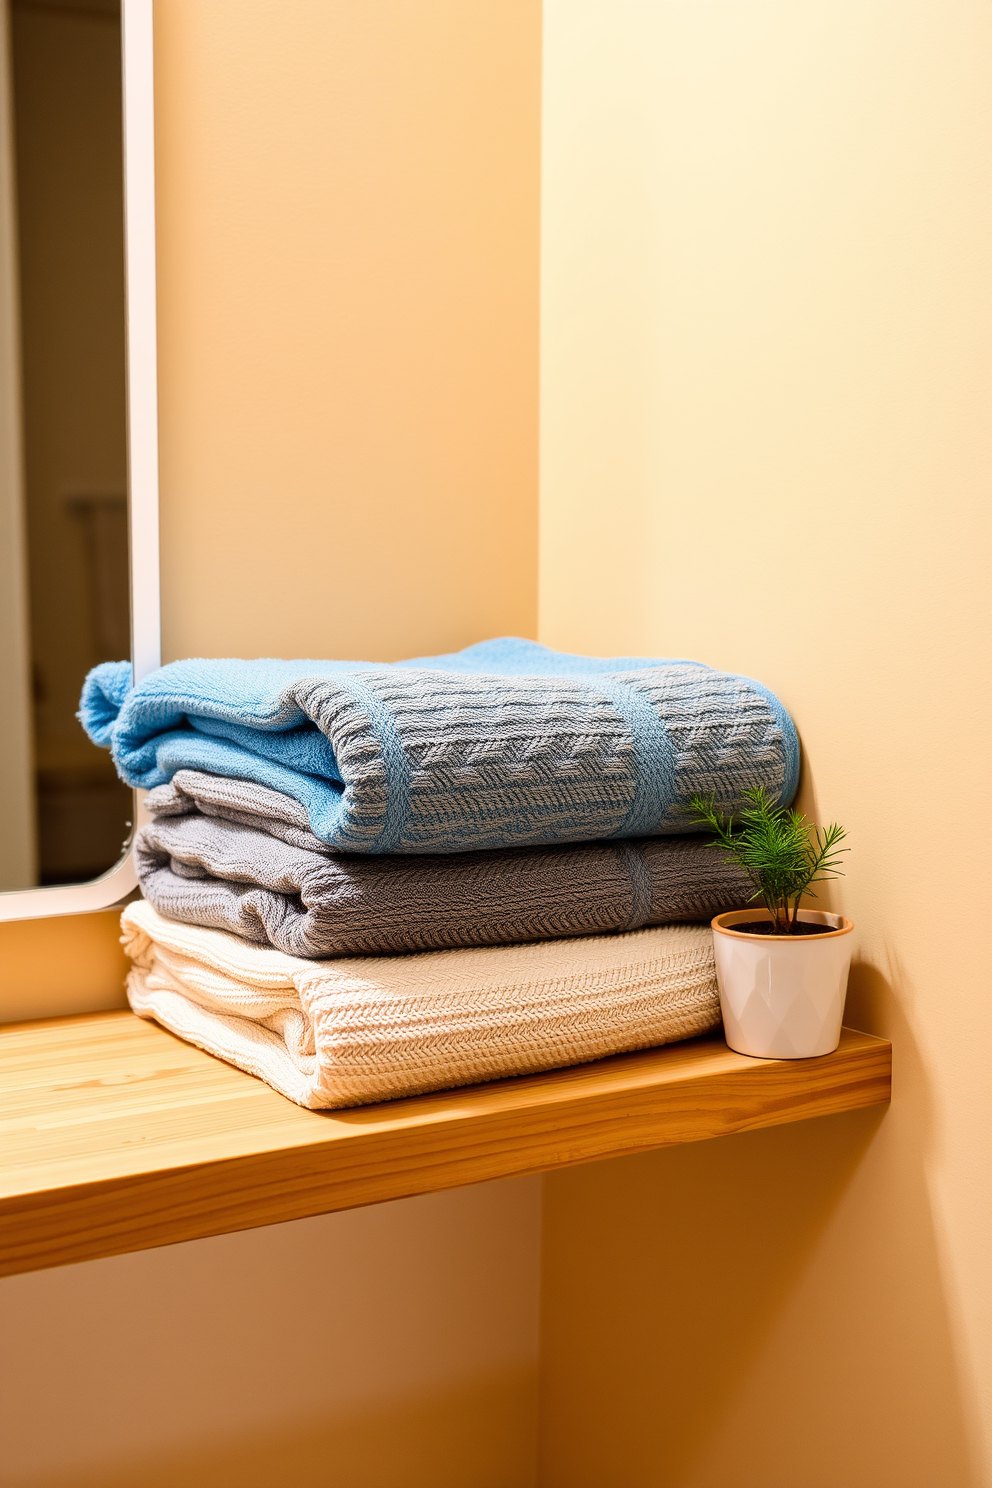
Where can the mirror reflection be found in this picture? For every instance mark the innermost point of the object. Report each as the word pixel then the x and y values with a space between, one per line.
pixel 64 594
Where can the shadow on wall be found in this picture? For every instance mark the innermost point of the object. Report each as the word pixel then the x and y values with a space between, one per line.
pixel 464 1437
pixel 676 1282
pixel 388 1347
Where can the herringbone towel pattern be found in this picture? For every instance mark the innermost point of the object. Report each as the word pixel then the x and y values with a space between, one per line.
pixel 506 744
pixel 346 1032
pixel 233 855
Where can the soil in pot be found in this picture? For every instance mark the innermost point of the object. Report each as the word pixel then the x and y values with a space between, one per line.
pixel 765 927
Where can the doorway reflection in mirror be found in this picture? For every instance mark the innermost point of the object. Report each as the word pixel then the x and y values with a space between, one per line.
pixel 64 814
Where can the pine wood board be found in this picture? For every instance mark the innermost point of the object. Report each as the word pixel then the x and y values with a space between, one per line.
pixel 115 1136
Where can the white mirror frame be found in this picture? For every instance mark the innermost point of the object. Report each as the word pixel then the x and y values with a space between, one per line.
pixel 142 434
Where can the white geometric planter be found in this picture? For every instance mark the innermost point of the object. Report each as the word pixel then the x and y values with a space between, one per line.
pixel 782 998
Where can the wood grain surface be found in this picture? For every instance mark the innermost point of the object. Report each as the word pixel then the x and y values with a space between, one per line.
pixel 115 1136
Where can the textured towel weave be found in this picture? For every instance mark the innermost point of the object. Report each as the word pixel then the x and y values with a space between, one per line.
pixel 346 1033
pixel 232 855
pixel 505 744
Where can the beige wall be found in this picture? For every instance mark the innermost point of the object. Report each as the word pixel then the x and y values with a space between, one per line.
pixel 348 240
pixel 348 280
pixel 767 364
pixel 389 1347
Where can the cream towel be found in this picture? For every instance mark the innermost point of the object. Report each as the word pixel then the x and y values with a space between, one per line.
pixel 349 1032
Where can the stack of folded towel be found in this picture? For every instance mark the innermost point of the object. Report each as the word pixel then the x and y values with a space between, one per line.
pixel 364 881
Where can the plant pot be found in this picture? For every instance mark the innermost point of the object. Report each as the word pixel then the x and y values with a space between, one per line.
pixel 782 997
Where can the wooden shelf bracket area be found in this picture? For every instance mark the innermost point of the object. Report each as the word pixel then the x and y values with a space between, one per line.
pixel 115 1136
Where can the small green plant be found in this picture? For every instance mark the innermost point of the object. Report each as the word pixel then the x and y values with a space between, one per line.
pixel 780 851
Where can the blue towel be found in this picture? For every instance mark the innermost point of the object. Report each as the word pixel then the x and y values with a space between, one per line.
pixel 503 744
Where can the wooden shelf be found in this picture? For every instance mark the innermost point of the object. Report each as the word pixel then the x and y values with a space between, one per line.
pixel 115 1136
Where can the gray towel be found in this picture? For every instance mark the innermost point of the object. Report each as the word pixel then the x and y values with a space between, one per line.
pixel 232 855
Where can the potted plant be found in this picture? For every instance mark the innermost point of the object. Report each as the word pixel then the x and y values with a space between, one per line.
pixel 781 970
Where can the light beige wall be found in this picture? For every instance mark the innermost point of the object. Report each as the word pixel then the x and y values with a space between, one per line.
pixel 348 197
pixel 348 240
pixel 389 1347
pixel 767 364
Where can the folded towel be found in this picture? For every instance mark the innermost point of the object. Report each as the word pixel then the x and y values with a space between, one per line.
pixel 233 855
pixel 505 744
pixel 345 1033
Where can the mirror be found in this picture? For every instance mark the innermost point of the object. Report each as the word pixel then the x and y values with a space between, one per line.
pixel 78 486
